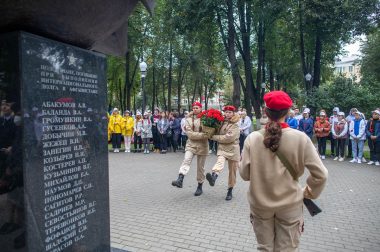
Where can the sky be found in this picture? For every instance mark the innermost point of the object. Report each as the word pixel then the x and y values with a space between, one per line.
pixel 354 48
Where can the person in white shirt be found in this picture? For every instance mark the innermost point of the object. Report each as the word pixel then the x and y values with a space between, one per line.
pixel 183 132
pixel 333 119
pixel 245 127
pixel 297 115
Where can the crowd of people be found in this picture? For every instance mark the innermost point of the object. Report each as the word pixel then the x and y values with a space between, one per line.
pixel 344 132
pixel 158 132
pixel 163 131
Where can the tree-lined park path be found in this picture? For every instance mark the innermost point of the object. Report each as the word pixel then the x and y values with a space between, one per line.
pixel 148 214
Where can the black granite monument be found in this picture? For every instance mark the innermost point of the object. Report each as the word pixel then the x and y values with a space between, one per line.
pixel 53 147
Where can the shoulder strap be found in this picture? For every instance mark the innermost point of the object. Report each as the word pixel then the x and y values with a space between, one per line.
pixel 284 161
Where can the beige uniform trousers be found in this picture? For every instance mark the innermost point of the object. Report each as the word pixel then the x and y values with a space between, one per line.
pixel 185 166
pixel 232 168
pixel 278 231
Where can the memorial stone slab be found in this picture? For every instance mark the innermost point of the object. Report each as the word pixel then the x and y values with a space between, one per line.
pixel 54 193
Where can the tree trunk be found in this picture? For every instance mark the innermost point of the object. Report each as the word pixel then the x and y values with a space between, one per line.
pixel 170 77
pixel 179 87
pixel 194 91
pixel 163 93
pixel 157 86
pixel 153 87
pixel 302 45
pixel 120 93
pixel 134 102
pixel 229 45
pixel 271 79
pixel 206 90
pixel 127 87
pixel 317 62
pixel 247 99
pixel 259 55
pixel 245 27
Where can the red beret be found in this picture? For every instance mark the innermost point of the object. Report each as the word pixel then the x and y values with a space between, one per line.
pixel 197 104
pixel 230 108
pixel 277 100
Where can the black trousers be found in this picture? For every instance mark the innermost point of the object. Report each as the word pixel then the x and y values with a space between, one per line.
pixel 322 145
pixel 116 140
pixel 137 140
pixel 183 141
pixel 163 142
pixel 156 137
pixel 340 144
pixel 213 145
pixel 332 144
pixel 374 150
pixel 241 141
pixel 174 141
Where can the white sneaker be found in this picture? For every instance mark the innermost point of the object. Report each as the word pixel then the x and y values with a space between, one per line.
pixel 353 160
pixel 370 162
pixel 359 161
pixel 323 157
pixel 210 151
pixel 377 163
pixel 115 150
pixel 364 160
pixel 126 151
pixel 147 152
pixel 336 158
pixel 341 159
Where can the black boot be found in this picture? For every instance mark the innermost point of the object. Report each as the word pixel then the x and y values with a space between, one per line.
pixel 211 178
pixel 179 181
pixel 229 193
pixel 199 190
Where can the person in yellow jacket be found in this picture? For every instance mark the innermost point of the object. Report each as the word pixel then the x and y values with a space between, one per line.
pixel 127 131
pixel 115 126
pixel 108 128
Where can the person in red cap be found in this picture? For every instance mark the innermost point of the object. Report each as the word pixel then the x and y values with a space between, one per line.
pixel 275 196
pixel 228 149
pixel 197 144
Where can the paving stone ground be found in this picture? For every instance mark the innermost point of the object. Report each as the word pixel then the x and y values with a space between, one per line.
pixel 148 214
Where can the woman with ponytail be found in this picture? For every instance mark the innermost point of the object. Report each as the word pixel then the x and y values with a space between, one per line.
pixel 275 196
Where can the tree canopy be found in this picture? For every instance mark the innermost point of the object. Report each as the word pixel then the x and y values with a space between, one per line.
pixel 243 48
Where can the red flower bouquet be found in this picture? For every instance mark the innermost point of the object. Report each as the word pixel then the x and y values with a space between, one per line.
pixel 211 120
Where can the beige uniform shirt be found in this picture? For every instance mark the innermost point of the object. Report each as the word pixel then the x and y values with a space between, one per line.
pixel 228 139
pixel 271 184
pixel 197 141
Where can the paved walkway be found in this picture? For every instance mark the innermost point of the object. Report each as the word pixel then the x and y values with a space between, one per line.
pixel 148 214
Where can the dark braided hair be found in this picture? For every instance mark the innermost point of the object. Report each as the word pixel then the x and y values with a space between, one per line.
pixel 273 128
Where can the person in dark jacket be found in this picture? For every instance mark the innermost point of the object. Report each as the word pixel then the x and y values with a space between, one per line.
pixel 162 127
pixel 373 135
pixel 156 134
pixel 175 127
pixel 306 123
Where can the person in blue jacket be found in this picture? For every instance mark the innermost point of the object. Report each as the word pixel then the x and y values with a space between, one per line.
pixel 373 135
pixel 292 121
pixel 306 123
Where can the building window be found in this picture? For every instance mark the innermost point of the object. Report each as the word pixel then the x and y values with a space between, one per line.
pixel 350 69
